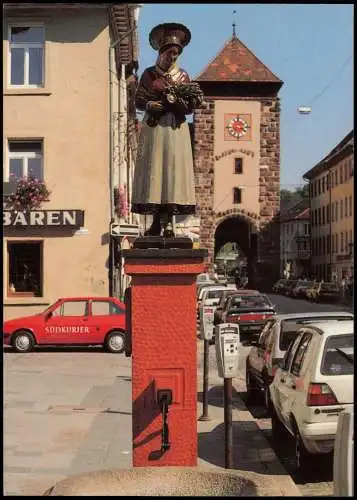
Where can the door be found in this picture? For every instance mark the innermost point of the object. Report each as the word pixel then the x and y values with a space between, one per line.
pixel 106 315
pixel 69 324
pixel 256 354
pixel 291 386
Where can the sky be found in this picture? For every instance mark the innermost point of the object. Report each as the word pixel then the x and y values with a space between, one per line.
pixel 308 46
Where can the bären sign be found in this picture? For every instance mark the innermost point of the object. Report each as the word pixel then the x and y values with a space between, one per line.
pixel 50 218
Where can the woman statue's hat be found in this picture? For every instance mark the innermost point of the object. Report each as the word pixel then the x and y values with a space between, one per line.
pixel 169 34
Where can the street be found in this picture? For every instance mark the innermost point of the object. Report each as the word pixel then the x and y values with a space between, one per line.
pixel 68 410
pixel 319 480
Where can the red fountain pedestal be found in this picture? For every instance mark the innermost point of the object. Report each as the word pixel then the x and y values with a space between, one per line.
pixel 164 352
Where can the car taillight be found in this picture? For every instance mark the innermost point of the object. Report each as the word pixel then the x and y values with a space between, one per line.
pixel 233 318
pixel 320 395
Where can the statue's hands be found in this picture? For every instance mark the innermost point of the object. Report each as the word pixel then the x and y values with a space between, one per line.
pixel 154 107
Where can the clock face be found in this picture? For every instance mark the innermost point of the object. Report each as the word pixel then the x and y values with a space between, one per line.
pixel 237 127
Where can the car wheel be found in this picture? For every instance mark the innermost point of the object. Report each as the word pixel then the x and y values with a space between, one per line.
pixel 23 341
pixel 252 389
pixel 301 455
pixel 115 342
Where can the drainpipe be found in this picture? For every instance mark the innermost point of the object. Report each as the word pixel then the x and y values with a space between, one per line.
pixel 136 8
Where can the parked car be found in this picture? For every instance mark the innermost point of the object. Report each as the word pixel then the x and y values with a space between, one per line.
pixel 250 312
pixel 312 292
pixel 204 278
pixel 70 321
pixel 289 287
pixel 221 304
pixel 299 291
pixel 314 384
pixel 328 291
pixel 279 285
pixel 266 356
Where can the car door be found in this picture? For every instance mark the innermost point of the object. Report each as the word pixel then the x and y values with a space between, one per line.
pixel 105 315
pixel 256 354
pixel 277 388
pixel 292 387
pixel 68 323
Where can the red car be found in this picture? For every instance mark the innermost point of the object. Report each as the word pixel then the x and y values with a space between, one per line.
pixel 70 321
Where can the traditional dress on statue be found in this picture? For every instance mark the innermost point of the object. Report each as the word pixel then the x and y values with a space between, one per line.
pixel 163 176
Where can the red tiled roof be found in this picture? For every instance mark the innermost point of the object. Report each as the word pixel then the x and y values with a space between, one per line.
pixel 236 63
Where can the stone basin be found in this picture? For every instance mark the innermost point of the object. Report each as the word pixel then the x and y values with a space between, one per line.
pixel 162 481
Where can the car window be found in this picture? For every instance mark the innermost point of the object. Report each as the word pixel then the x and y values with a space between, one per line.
pixel 300 353
pixel 75 308
pixel 250 301
pixel 105 308
pixel 214 294
pixel 338 356
pixel 265 334
pixel 288 355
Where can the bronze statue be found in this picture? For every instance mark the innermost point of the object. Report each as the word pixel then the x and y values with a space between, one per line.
pixel 164 178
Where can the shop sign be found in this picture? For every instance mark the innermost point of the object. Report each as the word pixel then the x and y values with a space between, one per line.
pixel 45 218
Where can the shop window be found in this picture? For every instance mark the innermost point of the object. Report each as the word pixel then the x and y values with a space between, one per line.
pixel 238 165
pixel 25 159
pixel 26 56
pixel 25 269
pixel 237 196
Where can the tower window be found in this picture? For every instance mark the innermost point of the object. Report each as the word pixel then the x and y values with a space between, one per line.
pixel 237 195
pixel 238 165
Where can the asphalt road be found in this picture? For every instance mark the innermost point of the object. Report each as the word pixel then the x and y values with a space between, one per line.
pixel 319 479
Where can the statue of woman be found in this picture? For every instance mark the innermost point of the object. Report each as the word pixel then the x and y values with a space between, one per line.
pixel 163 178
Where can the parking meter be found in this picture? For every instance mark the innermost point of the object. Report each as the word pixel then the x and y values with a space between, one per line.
pixel 227 349
pixel 206 322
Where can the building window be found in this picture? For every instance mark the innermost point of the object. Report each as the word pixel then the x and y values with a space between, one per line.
pixel 25 159
pixel 333 212
pixel 346 207
pixel 328 244
pixel 238 165
pixel 346 242
pixel 323 215
pixel 350 163
pixel 319 216
pixel 341 209
pixel 319 186
pixel 341 174
pixel 336 211
pixel 25 268
pixel 342 243
pixel 237 196
pixel 327 214
pixel 26 57
pixel 350 205
pixel 323 184
pixel 306 228
pixel 336 177
pixel 346 171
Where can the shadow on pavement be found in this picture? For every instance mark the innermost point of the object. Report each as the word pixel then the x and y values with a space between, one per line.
pixel 248 448
pixel 216 398
pixel 86 349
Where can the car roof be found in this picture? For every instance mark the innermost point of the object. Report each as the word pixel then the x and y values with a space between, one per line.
pixel 328 328
pixel 314 314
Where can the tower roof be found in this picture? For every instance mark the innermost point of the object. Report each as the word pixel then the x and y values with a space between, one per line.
pixel 236 63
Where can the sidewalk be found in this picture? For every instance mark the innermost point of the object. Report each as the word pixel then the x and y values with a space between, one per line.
pixel 252 454
pixel 64 417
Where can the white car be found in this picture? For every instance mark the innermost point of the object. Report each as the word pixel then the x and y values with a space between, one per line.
pixel 313 386
pixel 208 303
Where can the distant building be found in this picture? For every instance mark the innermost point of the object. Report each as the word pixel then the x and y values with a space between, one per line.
pixel 331 208
pixel 295 240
